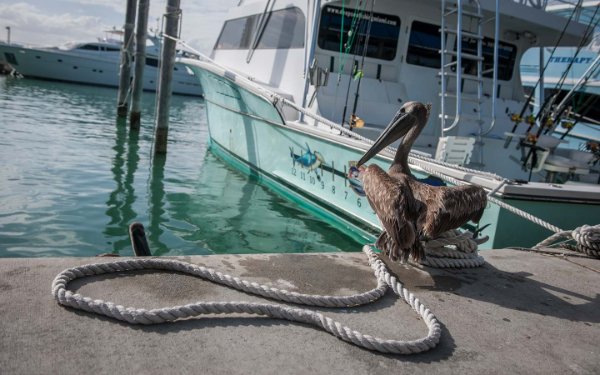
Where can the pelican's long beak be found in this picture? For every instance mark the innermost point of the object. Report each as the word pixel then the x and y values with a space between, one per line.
pixel 399 126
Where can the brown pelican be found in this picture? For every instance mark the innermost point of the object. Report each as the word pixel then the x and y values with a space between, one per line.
pixel 408 209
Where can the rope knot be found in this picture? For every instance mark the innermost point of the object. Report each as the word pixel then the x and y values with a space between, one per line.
pixel 586 237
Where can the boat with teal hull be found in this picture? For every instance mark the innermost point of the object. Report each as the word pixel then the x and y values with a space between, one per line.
pixel 283 99
pixel 248 130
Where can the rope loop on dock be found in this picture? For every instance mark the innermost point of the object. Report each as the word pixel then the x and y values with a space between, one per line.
pixel 586 237
pixel 155 316
pixel 453 249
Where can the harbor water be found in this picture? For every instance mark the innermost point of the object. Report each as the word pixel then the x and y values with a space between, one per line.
pixel 72 179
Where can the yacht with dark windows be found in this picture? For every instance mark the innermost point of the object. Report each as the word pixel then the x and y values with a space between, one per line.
pixel 296 91
pixel 94 63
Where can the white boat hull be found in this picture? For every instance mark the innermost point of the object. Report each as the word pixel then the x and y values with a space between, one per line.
pixel 56 65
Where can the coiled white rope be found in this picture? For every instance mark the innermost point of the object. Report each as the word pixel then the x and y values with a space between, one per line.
pixel 586 237
pixel 155 316
pixel 453 249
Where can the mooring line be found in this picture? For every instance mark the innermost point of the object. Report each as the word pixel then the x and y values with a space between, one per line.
pixel 156 316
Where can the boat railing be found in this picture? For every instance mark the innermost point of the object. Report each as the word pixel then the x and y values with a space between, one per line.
pixel 454 69
pixel 538 4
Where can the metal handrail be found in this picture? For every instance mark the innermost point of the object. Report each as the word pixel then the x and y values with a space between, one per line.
pixel 459 74
pixel 458 64
pixel 495 67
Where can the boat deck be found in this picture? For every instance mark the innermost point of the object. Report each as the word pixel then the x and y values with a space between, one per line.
pixel 522 312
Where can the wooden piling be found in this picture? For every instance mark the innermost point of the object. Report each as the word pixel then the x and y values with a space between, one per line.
pixel 140 62
pixel 126 53
pixel 7 34
pixel 172 15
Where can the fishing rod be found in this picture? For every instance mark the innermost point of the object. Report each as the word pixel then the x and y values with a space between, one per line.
pixel 353 117
pixel 589 103
pixel 558 87
pixel 562 34
pixel 349 50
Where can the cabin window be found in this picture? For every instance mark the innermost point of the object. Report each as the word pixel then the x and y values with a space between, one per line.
pixel 506 57
pixel 151 62
pixel 10 58
pixel 283 29
pixel 424 45
pixel 89 47
pixel 236 33
pixel 112 49
pixel 383 32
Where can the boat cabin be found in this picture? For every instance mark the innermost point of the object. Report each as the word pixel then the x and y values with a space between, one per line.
pixel 355 62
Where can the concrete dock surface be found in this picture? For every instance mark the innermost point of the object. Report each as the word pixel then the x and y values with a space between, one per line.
pixel 521 313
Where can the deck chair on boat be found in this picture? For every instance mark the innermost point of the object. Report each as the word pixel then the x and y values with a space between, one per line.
pixel 555 161
pixel 455 150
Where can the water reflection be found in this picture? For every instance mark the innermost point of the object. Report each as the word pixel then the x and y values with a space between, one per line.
pixel 72 181
pixel 156 209
pixel 120 201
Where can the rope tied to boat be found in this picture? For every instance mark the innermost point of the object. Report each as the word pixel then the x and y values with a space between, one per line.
pixel 586 238
pixel 156 316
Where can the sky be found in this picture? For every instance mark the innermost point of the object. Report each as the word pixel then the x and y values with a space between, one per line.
pixel 54 22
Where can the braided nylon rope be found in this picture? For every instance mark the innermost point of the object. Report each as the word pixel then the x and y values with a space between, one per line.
pixel 462 254
pixel 587 239
pixel 156 316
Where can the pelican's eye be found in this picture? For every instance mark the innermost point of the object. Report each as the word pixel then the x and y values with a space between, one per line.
pixel 402 110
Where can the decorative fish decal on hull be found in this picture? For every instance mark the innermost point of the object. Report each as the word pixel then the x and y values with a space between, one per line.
pixel 310 160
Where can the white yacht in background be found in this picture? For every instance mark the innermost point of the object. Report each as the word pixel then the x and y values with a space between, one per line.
pixel 296 90
pixel 94 63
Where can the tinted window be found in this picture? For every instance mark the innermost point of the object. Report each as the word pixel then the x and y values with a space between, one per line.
pixel 114 49
pixel 89 47
pixel 236 33
pixel 383 38
pixel 424 45
pixel 151 61
pixel 10 58
pixel 283 29
pixel 506 57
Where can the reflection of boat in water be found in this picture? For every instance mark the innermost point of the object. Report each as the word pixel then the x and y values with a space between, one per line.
pixel 94 63
pixel 366 58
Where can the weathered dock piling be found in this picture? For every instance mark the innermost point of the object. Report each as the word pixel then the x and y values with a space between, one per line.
pixel 140 63
pixel 172 15
pixel 126 53
pixel 7 34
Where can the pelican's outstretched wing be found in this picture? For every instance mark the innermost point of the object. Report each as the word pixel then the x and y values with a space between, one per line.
pixel 449 207
pixel 398 211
